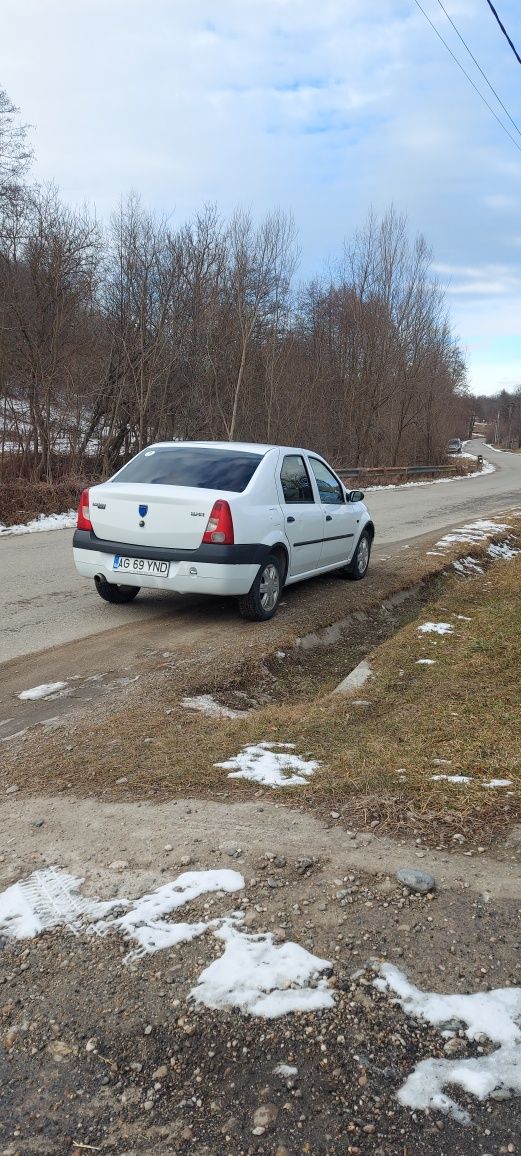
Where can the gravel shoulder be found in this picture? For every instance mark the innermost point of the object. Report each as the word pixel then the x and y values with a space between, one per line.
pixel 96 1052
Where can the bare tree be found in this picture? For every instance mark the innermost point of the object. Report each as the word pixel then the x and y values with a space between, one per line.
pixel 261 264
pixel 111 339
pixel 49 257
pixel 15 153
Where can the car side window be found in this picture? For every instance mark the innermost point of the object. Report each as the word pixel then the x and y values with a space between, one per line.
pixel 294 479
pixel 329 488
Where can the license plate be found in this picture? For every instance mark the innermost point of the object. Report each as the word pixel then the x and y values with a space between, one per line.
pixel 140 565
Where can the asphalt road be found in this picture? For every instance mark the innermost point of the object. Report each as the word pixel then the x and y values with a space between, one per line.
pixel 46 603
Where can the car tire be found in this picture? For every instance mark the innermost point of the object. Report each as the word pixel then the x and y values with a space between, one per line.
pixel 262 600
pixel 358 566
pixel 111 592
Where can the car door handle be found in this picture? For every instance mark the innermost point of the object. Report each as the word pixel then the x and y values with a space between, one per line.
pixel 329 517
pixel 290 519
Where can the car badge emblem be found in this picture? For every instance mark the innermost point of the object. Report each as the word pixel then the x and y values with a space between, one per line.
pixel 143 511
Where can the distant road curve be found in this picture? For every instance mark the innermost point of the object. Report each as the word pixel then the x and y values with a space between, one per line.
pixel 407 512
pixel 46 603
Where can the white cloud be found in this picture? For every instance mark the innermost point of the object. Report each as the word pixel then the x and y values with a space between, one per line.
pixel 323 110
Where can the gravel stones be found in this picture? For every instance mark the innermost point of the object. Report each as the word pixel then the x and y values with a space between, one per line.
pixel 124 1025
pixel 420 881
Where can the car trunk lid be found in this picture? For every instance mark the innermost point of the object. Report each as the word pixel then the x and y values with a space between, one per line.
pixel 130 514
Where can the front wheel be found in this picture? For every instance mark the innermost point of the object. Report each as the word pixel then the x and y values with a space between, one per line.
pixel 111 592
pixel 262 600
pixel 359 563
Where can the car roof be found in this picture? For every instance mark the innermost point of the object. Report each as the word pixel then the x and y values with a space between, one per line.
pixel 239 447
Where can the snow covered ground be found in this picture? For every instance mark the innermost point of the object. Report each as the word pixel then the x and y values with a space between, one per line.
pixel 42 522
pixel 436 628
pixel 488 1017
pixel 271 764
pixel 265 979
pixel 253 974
pixel 44 690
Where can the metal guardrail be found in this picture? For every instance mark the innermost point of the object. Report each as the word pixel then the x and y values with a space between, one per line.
pixel 407 471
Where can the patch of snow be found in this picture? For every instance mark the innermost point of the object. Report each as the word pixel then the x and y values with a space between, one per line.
pixel 42 522
pixel 47 899
pixel 478 531
pixel 425 662
pixel 158 935
pixel 450 778
pixel 189 885
pixel 44 690
pixel 262 978
pixel 436 628
pixel 498 783
pixel 207 705
pixel 51 897
pixel 494 1014
pixel 463 618
pixel 467 566
pixel 502 550
pixel 264 763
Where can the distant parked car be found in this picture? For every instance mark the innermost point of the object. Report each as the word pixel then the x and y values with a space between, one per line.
pixel 455 446
pixel 220 518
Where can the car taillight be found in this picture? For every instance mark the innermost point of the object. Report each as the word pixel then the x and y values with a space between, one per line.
pixel 220 525
pixel 84 522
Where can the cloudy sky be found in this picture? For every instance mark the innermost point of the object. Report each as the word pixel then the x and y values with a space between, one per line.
pixel 320 107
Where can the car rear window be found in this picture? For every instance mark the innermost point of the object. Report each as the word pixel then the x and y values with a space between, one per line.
pixel 198 466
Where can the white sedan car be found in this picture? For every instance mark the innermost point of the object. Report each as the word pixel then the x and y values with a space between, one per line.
pixel 220 518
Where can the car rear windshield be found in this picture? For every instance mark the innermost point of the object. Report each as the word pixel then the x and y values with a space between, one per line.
pixel 205 468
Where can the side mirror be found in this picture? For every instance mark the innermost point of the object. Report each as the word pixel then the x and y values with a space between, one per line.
pixel 356 496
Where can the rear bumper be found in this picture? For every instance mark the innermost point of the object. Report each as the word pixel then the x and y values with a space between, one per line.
pixel 247 554
pixel 188 574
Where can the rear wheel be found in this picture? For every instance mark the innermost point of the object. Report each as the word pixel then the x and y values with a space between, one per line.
pixel 111 592
pixel 359 563
pixel 263 599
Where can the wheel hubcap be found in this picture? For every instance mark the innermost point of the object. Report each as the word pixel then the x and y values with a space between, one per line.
pixel 363 556
pixel 269 587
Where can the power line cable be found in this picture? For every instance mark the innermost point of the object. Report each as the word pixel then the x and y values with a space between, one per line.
pixel 504 31
pixel 478 66
pixel 469 78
